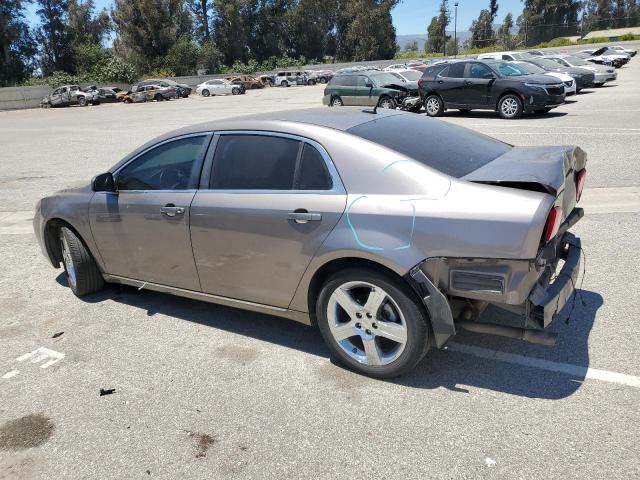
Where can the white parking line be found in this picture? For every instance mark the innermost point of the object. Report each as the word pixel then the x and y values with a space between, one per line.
pixel 555 127
pixel 41 354
pixel 566 368
pixel 10 374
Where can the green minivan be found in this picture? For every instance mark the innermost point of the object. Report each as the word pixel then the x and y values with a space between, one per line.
pixel 367 87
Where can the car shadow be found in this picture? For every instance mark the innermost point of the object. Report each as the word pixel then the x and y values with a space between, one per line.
pixel 453 368
pixel 490 114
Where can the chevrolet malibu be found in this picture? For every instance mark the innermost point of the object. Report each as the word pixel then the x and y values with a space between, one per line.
pixel 354 221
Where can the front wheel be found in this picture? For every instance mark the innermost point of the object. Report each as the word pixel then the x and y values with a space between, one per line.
pixel 284 83
pixel 83 275
pixel 510 107
pixel 323 80
pixel 158 97
pixel 235 91
pixel 82 101
pixel 206 93
pixel 386 102
pixel 336 102
pixel 434 106
pixel 372 323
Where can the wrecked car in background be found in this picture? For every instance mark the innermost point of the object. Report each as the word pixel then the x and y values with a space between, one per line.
pixel 70 95
pixel 182 89
pixel 369 88
pixel 358 222
pixel 247 81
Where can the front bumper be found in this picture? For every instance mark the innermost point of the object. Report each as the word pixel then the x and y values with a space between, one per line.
pixel 546 302
pixel 537 101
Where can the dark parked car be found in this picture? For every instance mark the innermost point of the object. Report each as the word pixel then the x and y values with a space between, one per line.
pixel 584 78
pixel 390 231
pixel 488 85
pixel 369 88
pixel 105 94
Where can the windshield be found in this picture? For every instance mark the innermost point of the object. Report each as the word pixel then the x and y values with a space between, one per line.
pixel 383 78
pixel 545 63
pixel 412 75
pixel 510 69
pixel 531 68
pixel 577 61
pixel 450 149
pixel 397 75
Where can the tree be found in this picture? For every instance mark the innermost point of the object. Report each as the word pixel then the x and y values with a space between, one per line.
pixel 182 57
pixel 311 27
pixel 202 11
pixel 147 29
pixel 56 48
pixel 369 32
pixel 84 26
pixel 412 46
pixel 505 38
pixel 233 23
pixel 436 35
pixel 16 43
pixel 543 20
pixel 482 34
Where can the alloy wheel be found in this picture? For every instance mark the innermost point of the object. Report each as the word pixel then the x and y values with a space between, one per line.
pixel 509 107
pixel 366 323
pixel 433 106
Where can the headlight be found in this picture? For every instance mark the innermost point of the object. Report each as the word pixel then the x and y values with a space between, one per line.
pixel 534 85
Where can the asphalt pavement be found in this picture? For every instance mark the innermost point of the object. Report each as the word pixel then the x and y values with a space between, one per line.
pixel 136 384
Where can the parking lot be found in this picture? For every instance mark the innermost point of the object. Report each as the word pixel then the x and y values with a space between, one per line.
pixel 205 391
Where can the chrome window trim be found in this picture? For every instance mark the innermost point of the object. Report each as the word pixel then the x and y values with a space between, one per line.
pixel 337 188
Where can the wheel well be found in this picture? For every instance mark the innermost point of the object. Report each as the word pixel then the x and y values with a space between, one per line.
pixel 509 92
pixel 434 93
pixel 51 239
pixel 329 268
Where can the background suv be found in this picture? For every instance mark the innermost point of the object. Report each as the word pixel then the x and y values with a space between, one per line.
pixel 488 85
pixel 368 88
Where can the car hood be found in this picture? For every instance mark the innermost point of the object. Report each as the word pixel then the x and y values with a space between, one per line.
pixel 537 78
pixel 403 87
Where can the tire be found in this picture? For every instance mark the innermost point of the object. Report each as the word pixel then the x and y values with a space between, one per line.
pixel 83 274
pixel 128 100
pixel 284 83
pixel 311 82
pixel 361 340
pixel 206 93
pixel 578 90
pixel 598 85
pixel 386 102
pixel 434 105
pixel 82 101
pixel 322 80
pixel 510 107
pixel 158 97
pixel 336 102
pixel 464 110
pixel 543 110
pixel 235 91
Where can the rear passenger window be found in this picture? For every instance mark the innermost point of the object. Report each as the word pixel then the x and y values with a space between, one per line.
pixel 313 174
pixel 254 162
pixel 456 70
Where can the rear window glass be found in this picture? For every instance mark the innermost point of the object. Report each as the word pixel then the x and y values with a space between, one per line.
pixel 448 148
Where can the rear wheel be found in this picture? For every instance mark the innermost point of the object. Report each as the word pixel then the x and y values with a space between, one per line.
pixel 235 91
pixel 82 101
pixel 372 323
pixel 510 106
pixel 158 97
pixel 322 80
pixel 336 102
pixel 434 106
pixel 386 102
pixel 83 274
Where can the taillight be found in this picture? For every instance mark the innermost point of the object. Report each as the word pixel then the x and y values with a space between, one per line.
pixel 553 223
pixel 581 176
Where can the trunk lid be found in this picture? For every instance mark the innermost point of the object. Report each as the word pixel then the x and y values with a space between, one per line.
pixel 552 170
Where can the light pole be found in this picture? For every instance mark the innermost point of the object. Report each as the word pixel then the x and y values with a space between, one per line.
pixel 455 30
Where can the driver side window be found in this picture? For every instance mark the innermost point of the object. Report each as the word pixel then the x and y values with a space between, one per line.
pixel 477 70
pixel 169 166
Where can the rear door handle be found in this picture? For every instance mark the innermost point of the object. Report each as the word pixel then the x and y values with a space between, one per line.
pixel 170 210
pixel 302 216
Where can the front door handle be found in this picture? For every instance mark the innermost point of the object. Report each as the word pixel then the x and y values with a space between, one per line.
pixel 468 82
pixel 303 216
pixel 440 81
pixel 170 210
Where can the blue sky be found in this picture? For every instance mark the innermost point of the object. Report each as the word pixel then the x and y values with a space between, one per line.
pixel 409 17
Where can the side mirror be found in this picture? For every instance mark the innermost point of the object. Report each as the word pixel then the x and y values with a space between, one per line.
pixel 104 183
pixel 368 85
pixel 489 76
